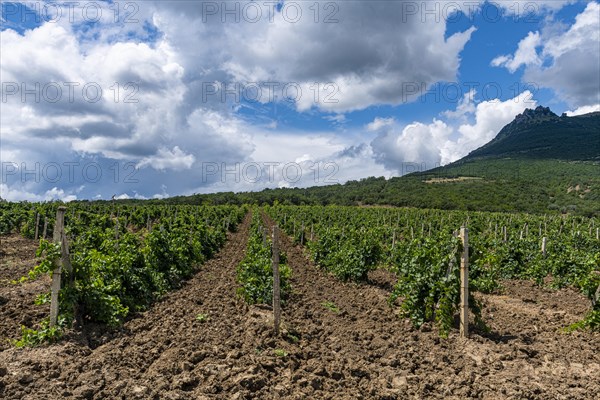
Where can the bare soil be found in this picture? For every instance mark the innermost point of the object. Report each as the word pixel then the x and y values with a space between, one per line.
pixel 17 308
pixel 339 341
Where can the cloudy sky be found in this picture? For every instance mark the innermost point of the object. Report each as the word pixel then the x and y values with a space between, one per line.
pixel 160 98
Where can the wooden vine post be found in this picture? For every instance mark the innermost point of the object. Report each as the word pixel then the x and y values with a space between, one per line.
pixel 596 298
pixel 37 226
pixel 544 246
pixel 117 232
pixel 59 238
pixel 464 283
pixel 276 282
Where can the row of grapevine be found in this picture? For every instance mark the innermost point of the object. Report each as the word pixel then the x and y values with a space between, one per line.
pixel 255 272
pixel 420 247
pixel 121 263
pixel 22 217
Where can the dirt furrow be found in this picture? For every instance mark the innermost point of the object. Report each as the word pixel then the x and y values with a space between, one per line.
pixel 17 257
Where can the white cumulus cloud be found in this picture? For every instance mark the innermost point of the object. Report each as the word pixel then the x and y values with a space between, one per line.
pixel 526 54
pixel 583 110
pixel 440 142
pixel 565 59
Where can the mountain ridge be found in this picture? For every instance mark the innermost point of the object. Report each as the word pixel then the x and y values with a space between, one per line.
pixel 539 133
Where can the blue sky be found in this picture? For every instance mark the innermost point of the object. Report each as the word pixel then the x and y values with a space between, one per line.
pixel 161 98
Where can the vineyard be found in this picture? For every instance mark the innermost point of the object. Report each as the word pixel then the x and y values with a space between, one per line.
pixel 162 301
pixel 121 261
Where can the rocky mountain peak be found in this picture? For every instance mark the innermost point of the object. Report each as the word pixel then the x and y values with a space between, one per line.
pixel 529 115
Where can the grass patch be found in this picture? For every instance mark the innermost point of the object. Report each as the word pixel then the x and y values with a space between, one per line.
pixel 331 306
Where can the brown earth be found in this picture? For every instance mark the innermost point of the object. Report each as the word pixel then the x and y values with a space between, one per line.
pixel 339 341
pixel 17 257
